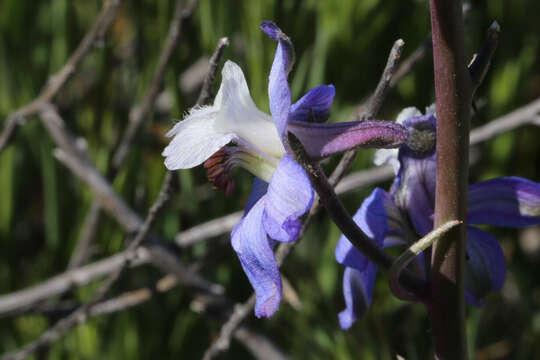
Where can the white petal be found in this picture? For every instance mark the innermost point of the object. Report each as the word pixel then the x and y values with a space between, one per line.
pixel 239 115
pixel 406 113
pixel 430 109
pixel 195 139
pixel 232 117
pixel 387 156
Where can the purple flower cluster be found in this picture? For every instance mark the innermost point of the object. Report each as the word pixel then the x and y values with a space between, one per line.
pixel 406 213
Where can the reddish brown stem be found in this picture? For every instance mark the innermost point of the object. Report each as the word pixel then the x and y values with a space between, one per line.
pixel 453 98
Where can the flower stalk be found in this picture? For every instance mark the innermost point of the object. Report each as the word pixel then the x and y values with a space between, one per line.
pixel 343 220
pixel 453 92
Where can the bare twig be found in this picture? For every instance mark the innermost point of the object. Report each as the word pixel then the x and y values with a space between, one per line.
pixel 206 91
pixel 77 161
pixel 140 112
pixel 83 248
pixel 373 107
pixel 479 65
pixel 517 118
pixel 376 100
pixel 408 64
pixel 208 229
pixel 240 312
pixel 58 80
pixel 81 314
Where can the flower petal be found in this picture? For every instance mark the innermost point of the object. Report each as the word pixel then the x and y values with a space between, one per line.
pixel 238 114
pixel 255 251
pixel 323 140
pixel 289 196
pixel 258 190
pixel 407 113
pixel 486 267
pixel 278 88
pixel 358 292
pixel 414 190
pixel 315 105
pixel 195 139
pixel 507 201
pixel 379 219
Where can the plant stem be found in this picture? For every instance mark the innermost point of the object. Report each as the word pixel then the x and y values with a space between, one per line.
pixel 453 98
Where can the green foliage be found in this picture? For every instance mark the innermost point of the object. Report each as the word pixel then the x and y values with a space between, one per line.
pixel 43 206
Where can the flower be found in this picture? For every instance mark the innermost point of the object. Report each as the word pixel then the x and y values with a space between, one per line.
pixel 405 214
pixel 281 191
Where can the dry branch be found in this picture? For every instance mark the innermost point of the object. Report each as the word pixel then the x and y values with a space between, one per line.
pixel 59 79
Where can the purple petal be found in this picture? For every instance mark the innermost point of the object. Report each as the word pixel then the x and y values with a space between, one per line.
pixel 278 88
pixel 371 218
pixel 258 189
pixel 486 267
pixel 507 201
pixel 289 196
pixel 323 140
pixel 414 190
pixel 315 105
pixel 255 251
pixel 358 292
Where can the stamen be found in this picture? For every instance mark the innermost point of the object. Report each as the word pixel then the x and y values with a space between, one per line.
pixel 218 171
pixel 219 166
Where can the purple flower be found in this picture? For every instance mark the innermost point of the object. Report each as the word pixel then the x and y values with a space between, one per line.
pixel 281 191
pixel 406 213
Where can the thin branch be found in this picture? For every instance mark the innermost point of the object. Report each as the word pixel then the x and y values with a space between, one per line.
pixel 208 229
pixel 479 65
pixel 59 79
pixel 80 315
pixel 240 312
pixel 373 107
pixel 206 92
pixel 139 113
pixel 77 161
pixel 83 247
pixel 517 118
pixel 408 64
pixel 377 99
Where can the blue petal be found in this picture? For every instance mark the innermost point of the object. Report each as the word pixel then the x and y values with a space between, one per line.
pixel 371 218
pixel 289 196
pixel 316 102
pixel 358 292
pixel 278 88
pixel 258 189
pixel 486 266
pixel 255 251
pixel 414 189
pixel 507 201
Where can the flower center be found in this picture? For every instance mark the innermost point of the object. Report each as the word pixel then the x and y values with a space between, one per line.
pixel 219 166
pixel 422 139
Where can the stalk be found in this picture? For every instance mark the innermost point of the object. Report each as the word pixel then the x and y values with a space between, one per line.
pixel 453 94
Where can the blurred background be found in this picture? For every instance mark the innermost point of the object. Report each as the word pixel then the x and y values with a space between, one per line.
pixel 43 205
